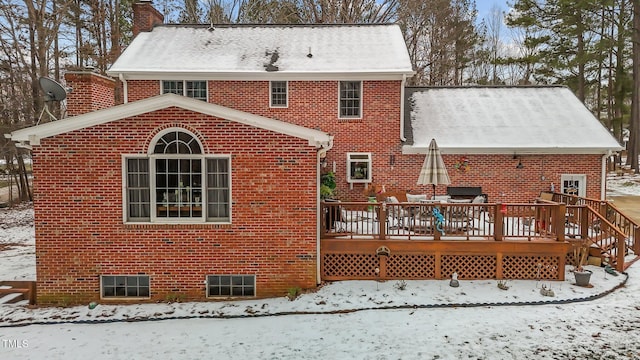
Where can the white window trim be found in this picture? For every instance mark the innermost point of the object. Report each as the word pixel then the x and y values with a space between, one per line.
pixel 153 219
pixel 125 203
pixel 368 160
pixel 582 178
pixel 286 105
pixel 184 87
pixel 361 101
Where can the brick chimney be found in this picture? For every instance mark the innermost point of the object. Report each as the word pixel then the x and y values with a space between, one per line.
pixel 90 92
pixel 145 17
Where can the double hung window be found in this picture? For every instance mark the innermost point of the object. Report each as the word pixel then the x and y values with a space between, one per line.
pixel 278 93
pixel 350 99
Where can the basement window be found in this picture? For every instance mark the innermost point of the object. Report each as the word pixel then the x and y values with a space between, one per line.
pixel 231 285
pixel 124 286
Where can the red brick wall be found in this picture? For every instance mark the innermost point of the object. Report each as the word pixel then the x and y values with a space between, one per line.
pixel 90 92
pixel 80 233
pixel 314 104
pixel 497 174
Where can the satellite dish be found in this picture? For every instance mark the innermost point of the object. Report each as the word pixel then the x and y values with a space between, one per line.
pixel 53 91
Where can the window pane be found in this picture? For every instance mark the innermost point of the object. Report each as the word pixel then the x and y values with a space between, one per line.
pixel 218 189
pixel 231 285
pixel 138 189
pixel 172 87
pixel 108 281
pixel 350 98
pixel 197 90
pixel 278 93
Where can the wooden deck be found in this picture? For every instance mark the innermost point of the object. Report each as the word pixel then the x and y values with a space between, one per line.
pixel 348 259
pixel 477 241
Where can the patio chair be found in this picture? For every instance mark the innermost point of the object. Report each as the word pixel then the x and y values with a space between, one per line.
pixel 396 214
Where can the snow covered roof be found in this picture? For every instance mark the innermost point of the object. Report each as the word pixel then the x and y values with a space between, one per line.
pixel 34 134
pixel 287 52
pixel 502 120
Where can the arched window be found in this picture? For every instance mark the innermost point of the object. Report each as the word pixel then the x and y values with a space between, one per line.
pixel 177 142
pixel 177 182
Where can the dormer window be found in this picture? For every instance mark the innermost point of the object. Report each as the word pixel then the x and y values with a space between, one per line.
pixel 192 89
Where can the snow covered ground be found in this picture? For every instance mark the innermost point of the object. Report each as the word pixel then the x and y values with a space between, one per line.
pixel 342 320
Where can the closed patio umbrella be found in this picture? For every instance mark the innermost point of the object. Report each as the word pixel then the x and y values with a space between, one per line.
pixel 433 170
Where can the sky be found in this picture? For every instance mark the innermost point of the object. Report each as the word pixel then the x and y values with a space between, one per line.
pixel 484 6
pixel 425 319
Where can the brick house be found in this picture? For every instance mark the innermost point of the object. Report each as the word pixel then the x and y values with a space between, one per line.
pixel 204 182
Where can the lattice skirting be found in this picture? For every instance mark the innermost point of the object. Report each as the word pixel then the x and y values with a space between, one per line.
pixel 337 266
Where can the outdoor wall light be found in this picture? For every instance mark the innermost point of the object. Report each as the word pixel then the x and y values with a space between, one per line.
pixel 519 166
pixel 392 159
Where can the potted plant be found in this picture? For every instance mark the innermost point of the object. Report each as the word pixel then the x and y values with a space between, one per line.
pixel 327 185
pixel 580 255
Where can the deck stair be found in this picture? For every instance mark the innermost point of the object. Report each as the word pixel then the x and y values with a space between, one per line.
pixel 13 292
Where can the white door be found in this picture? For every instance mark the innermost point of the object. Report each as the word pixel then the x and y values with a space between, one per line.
pixel 574 184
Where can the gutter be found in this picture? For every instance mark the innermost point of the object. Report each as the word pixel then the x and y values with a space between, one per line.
pixel 322 151
pixel 603 176
pixel 402 85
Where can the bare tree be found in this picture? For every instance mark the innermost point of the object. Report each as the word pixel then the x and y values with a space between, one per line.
pixel 634 139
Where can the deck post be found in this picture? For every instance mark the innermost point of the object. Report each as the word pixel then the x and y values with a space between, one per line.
pixel 584 222
pixel 499 268
pixel 560 219
pixel 382 221
pixel 437 271
pixel 621 253
pixel 636 239
pixel 498 226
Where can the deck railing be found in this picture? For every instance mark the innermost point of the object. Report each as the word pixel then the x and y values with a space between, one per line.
pixel 437 221
pixel 610 216
pixel 540 221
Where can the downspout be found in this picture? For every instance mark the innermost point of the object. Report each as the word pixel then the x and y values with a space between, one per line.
pixel 322 151
pixel 603 176
pixel 125 89
pixel 404 82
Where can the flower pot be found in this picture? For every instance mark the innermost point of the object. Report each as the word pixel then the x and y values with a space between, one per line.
pixel 582 277
pixel 371 199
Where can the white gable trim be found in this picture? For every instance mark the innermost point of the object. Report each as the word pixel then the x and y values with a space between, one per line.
pixel 410 149
pixel 35 133
pixel 266 76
